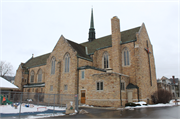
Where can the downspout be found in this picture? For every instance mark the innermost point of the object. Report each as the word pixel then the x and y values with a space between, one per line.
pixel 59 77
pixel 120 90
pixel 138 93
pixel 77 76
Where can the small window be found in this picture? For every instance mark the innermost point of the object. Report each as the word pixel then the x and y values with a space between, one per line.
pixel 51 87
pixel 122 86
pixel 33 90
pixel 41 89
pixel 99 85
pixel 82 74
pixel 65 87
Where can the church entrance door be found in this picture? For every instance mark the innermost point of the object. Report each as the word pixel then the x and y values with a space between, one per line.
pixel 130 97
pixel 83 96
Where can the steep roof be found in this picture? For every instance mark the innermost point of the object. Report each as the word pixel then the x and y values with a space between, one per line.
pixel 36 61
pixel 106 41
pixel 4 84
pixel 103 42
pixel 131 86
pixel 79 48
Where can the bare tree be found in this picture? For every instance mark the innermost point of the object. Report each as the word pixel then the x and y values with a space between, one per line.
pixel 5 69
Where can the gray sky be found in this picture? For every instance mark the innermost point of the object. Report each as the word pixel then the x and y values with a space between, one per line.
pixel 30 27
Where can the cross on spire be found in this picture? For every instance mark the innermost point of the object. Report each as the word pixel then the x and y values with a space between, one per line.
pixel 148 52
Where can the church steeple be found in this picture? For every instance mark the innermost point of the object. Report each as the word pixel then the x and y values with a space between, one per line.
pixel 91 30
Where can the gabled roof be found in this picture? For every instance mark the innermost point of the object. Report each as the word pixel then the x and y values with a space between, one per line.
pixel 131 86
pixel 103 42
pixel 79 48
pixel 4 84
pixel 36 61
pixel 106 41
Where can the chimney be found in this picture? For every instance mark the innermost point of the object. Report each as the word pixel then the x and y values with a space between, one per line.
pixel 32 55
pixel 173 79
pixel 116 38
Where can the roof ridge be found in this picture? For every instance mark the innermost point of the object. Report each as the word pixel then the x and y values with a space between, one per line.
pixel 110 34
pixel 131 28
pixel 42 55
pixel 74 42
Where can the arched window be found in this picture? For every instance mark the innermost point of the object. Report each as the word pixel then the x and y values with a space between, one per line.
pixel 32 76
pixel 39 75
pixel 126 60
pixel 67 61
pixel 53 62
pixel 105 60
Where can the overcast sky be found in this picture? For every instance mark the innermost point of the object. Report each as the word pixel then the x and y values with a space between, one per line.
pixel 30 27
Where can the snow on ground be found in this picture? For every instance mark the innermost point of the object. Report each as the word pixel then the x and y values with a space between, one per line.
pixel 171 103
pixel 45 115
pixel 84 105
pixel 10 109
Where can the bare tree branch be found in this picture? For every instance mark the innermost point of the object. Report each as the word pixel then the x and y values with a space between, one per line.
pixel 5 69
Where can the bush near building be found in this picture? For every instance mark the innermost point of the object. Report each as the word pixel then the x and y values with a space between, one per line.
pixel 161 96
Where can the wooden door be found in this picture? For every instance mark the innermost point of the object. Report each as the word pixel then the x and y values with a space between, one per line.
pixel 83 96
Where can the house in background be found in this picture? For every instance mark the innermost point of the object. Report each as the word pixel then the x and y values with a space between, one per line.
pixel 107 71
pixel 176 83
pixel 168 84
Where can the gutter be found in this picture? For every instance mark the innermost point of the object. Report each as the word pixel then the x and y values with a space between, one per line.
pixel 84 58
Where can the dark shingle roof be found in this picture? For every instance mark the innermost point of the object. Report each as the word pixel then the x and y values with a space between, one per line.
pixel 126 36
pixel 79 48
pixel 176 80
pixel 36 61
pixel 131 86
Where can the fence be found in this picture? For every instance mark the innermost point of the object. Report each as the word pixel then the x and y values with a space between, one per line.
pixel 41 99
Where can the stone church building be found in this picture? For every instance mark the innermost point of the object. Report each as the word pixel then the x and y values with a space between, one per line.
pixel 106 71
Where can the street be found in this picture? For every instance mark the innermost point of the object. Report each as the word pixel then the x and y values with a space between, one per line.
pixel 154 112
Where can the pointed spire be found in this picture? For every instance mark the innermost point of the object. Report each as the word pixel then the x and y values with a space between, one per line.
pixel 91 30
pixel 92 20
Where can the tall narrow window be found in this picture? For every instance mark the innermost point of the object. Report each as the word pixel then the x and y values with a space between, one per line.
pixel 82 74
pixel 106 60
pixel 32 76
pixel 126 59
pixel 40 76
pixel 53 62
pixel 122 86
pixel 67 61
